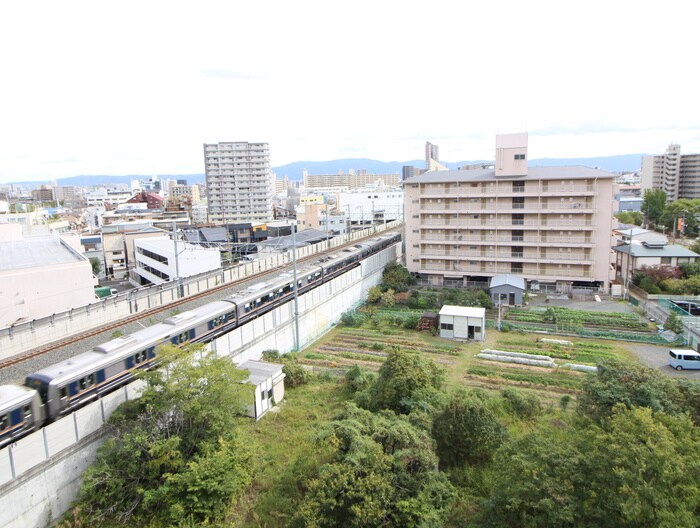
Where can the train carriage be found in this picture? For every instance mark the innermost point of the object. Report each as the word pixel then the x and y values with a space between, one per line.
pixel 20 412
pixel 61 388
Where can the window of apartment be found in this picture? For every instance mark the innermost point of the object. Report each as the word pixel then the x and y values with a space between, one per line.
pixel 516 267
pixel 519 202
pixel 518 186
pixel 519 156
pixel 518 219
pixel 516 251
pixel 517 235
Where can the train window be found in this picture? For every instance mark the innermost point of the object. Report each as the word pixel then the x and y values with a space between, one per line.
pixel 90 380
pixel 140 357
pixel 3 422
pixel 181 338
pixel 247 307
pixel 27 411
pixel 81 383
pixel 64 392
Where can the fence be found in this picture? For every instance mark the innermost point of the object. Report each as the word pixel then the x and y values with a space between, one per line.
pixel 26 336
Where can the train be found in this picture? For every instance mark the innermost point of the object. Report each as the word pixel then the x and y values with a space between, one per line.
pixel 61 388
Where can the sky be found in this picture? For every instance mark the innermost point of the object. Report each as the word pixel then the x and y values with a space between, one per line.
pixel 137 87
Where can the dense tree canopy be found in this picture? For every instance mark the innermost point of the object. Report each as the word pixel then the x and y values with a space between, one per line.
pixel 383 473
pixel 466 430
pixel 175 454
pixel 406 381
pixel 654 204
pixel 635 469
pixel 396 277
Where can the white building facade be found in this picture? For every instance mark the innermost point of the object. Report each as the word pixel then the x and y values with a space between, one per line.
pixel 239 182
pixel 157 261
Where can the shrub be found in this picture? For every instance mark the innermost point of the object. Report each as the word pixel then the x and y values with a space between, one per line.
pixel 351 318
pixel 521 404
pixel 358 379
pixel 272 355
pixel 295 374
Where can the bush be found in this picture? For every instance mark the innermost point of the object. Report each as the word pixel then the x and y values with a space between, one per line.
pixel 351 318
pixel 295 374
pixel 466 431
pixel 522 405
pixel 271 355
pixel 358 379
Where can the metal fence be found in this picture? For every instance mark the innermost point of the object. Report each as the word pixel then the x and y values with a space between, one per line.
pixel 28 335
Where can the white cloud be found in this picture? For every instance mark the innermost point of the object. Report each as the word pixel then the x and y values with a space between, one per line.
pixel 137 87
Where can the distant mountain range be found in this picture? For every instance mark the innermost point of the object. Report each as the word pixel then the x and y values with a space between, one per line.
pixel 621 163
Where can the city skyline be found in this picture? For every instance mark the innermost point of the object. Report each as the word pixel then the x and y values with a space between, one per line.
pixel 139 88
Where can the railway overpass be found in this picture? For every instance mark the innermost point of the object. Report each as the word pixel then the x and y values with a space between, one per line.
pixel 40 474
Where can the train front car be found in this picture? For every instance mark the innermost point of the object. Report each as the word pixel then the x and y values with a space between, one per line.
pixel 21 412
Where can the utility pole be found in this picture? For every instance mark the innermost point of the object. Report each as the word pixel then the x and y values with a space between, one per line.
pixel 296 288
pixel 629 265
pixel 177 262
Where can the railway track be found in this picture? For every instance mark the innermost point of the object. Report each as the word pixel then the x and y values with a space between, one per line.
pixel 76 338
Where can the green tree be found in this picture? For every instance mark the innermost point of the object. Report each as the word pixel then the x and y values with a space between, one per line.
pixel 654 205
pixel 396 277
pixel 634 469
pixel 630 217
pixel 389 298
pixel 466 431
pixel 96 266
pixel 673 323
pixel 629 384
pixel 406 381
pixel 374 295
pixel 382 472
pixel 175 454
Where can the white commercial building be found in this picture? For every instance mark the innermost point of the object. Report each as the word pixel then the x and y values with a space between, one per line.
pixel 157 262
pixel 367 206
pixel 40 276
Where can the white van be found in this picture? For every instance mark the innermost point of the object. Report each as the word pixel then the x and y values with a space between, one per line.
pixel 684 359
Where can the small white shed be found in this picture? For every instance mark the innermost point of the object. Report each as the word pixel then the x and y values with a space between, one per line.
pixel 463 322
pixel 268 379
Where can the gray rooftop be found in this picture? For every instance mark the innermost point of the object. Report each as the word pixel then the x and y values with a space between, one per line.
pixel 507 280
pixel 302 238
pixel 34 252
pixel 640 250
pixel 534 173
pixel 260 370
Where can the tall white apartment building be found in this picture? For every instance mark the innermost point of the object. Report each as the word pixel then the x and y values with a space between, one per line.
pixel 238 182
pixel 678 175
pixel 551 225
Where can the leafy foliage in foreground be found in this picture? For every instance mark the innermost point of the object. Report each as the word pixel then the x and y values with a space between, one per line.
pixel 383 473
pixel 636 468
pixel 175 456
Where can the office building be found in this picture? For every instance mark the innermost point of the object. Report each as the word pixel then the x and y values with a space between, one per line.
pixel 239 182
pixel 351 180
pixel 678 175
pixel 549 225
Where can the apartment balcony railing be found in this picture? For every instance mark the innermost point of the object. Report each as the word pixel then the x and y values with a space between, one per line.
pixel 532 274
pixel 503 190
pixel 490 256
pixel 507 239
pixel 467 207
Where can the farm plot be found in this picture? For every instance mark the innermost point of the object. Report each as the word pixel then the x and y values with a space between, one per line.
pixel 368 348
pixel 566 317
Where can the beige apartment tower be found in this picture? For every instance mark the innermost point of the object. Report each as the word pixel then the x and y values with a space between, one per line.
pixel 678 175
pixel 550 225
pixel 239 182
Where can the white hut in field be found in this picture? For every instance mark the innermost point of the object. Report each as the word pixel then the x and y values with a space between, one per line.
pixel 463 322
pixel 268 380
